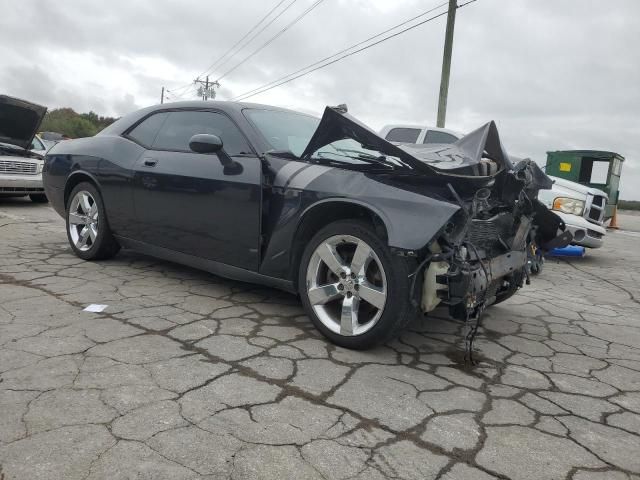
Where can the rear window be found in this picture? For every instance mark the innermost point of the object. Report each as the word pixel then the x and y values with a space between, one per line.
pixel 434 136
pixel 403 135
pixel 145 133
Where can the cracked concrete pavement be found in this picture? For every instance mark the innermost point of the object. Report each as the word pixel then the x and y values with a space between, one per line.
pixel 186 375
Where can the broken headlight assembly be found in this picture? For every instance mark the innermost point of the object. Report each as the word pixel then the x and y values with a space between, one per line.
pixel 568 205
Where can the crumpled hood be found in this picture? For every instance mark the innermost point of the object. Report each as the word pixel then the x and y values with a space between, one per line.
pixel 460 158
pixel 19 121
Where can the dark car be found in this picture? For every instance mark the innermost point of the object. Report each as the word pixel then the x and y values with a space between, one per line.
pixel 368 233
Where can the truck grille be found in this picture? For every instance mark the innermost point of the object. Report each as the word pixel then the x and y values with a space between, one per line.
pixel 17 168
pixel 596 211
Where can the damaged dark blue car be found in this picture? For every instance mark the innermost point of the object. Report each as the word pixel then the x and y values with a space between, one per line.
pixel 368 233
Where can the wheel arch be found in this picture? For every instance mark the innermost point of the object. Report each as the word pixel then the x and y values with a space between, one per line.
pixel 326 211
pixel 74 179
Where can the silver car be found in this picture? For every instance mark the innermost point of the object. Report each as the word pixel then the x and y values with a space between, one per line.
pixel 21 153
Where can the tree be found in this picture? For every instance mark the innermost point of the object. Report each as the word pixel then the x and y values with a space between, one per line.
pixel 67 122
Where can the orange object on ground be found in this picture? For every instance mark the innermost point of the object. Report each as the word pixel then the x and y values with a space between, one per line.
pixel 614 220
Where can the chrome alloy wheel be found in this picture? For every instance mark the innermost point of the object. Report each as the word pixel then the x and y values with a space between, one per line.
pixel 83 220
pixel 346 285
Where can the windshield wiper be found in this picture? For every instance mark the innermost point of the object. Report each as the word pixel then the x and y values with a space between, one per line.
pixel 362 154
pixel 367 160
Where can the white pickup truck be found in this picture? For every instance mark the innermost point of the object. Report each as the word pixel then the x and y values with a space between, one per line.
pixel 581 208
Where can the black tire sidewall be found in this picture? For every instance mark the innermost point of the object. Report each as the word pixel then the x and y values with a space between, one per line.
pixel 398 310
pixel 101 248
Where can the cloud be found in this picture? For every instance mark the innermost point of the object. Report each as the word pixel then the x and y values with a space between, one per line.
pixel 554 75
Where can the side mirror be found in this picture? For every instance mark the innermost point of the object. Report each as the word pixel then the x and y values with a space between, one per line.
pixel 205 143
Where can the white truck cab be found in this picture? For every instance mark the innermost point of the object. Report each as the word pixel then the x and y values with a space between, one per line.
pixel 418 134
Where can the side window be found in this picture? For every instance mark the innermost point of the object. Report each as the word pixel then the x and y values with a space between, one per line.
pixel 145 133
pixel 434 136
pixel 403 135
pixel 181 126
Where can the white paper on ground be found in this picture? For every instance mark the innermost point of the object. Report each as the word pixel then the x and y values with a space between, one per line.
pixel 94 307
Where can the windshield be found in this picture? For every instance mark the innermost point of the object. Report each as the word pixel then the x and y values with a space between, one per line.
pixel 36 144
pixel 286 131
pixel 291 132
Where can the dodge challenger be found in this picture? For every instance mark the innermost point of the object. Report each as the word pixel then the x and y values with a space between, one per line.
pixel 368 233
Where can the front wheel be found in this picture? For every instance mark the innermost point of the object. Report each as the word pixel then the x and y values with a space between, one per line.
pixel 353 288
pixel 87 227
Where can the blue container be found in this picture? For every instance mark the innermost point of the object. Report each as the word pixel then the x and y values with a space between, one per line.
pixel 568 251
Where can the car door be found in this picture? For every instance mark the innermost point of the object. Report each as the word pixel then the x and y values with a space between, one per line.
pixel 189 202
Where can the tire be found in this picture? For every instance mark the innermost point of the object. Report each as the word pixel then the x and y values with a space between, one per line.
pixel 89 235
pixel 382 273
pixel 38 198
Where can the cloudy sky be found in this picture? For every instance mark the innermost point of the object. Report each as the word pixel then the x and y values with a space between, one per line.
pixel 554 74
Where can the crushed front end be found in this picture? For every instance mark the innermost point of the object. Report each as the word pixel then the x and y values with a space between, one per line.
pixel 485 252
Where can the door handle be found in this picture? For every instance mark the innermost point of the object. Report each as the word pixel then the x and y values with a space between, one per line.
pixel 150 162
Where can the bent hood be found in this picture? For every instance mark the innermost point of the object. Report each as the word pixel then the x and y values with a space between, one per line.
pixel 19 121
pixel 461 158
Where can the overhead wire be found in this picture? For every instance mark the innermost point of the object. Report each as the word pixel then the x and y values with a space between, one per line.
pixel 214 65
pixel 426 12
pixel 272 39
pixel 267 25
pixel 342 54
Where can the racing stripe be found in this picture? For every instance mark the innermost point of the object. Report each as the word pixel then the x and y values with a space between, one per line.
pixel 306 176
pixel 286 172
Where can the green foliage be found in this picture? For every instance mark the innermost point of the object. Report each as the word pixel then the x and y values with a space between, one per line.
pixel 72 124
pixel 629 204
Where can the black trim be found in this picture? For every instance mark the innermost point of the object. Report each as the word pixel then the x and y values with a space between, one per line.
pixel 217 268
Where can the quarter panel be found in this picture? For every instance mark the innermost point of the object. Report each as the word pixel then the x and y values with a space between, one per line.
pixel 108 160
pixel 411 219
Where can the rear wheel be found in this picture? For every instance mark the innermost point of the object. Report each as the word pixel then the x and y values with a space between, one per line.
pixel 87 227
pixel 38 198
pixel 352 287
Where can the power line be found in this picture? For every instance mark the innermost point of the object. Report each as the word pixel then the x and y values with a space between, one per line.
pixel 176 96
pixel 216 64
pixel 351 47
pixel 248 95
pixel 268 42
pixel 184 87
pixel 253 36
pixel 251 30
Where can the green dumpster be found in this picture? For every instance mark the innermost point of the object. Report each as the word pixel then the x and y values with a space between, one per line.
pixel 593 168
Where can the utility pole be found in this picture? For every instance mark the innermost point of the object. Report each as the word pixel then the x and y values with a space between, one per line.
pixel 206 89
pixel 446 64
pixel 162 96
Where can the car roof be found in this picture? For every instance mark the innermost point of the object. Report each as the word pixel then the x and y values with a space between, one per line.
pixel 219 104
pixel 231 108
